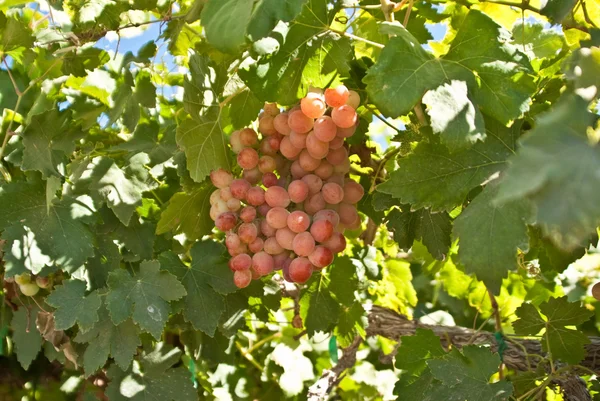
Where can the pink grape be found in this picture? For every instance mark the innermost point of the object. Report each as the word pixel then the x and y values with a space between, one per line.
pixel 285 270
pixel 298 221
pixel 303 244
pixel 262 263
pixel 247 232
pixel 253 176
pixel 272 247
pixel 346 132
pixel 232 240
pixel 243 261
pixel 263 209
pixel 248 137
pixel 256 245
pixel 329 215
pixel 247 158
pixel 274 142
pixel 348 213
pixel 215 197
pixel 332 193
pixel 214 212
pixel 344 116
pixel 356 225
pixel 314 204
pixel 277 196
pixel 236 142
pixel 321 230
pixel 255 196
pixel 248 214
pixel 280 259
pixel 281 124
pixel 337 242
pixel 336 143
pixel 242 278
pixel 307 162
pixel 277 217
pixel 288 150
pixel 321 257
pixel 353 192
pixel 297 171
pixel 313 182
pixel 317 148
pixel 324 171
pixel 336 97
pixel 221 206
pixel 234 204
pixel 226 221
pixel 226 194
pixel 343 168
pixel 266 229
pixel 266 148
pixel 243 248
pixel 298 140
pixel 266 164
pixel 285 238
pixel 298 191
pixel 269 179
pixel 271 109
pixel 353 100
pixel 266 126
pixel 300 270
pixel 337 156
pixel 299 122
pixel 338 179
pixel 312 105
pixel 221 178
pixel 325 129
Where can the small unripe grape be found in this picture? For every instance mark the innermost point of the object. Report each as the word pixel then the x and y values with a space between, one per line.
pixel 24 278
pixel 321 257
pixel 266 164
pixel 348 213
pixel 263 209
pixel 221 178
pixel 255 196
pixel 277 217
pixel 277 196
pixel 29 289
pixel 353 100
pixel 232 240
pixel 271 109
pixel 298 191
pixel 288 150
pixel 247 232
pixel 247 158
pixel 332 193
pixel 262 263
pixel 226 221
pixel 353 192
pixel 266 126
pixel 239 188
pixel 215 197
pixel 325 129
pixel 281 124
pixel 225 194
pixel 298 140
pixel 43 282
pixel 329 215
pixel 321 230
pixel 336 143
pixel 344 116
pixel 337 156
pixel 236 142
pixel 300 270
pixel 346 132
pixel 248 214
pixel 314 203
pixel 317 148
pixel 324 171
pixel 256 245
pixel 243 261
pixel 303 244
pixel 299 122
pixel 242 278
pixel 313 105
pixel 285 238
pixel 336 97
pixel 297 171
pixel 269 179
pixel 266 229
pixel 337 242
pixel 313 182
pixel 298 221
pixel 234 204
pixel 307 162
pixel 248 137
pixel 272 247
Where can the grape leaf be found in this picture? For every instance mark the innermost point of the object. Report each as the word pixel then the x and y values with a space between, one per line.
pixel 145 91
pixel 188 213
pixel 14 34
pixel 105 339
pixel 491 235
pixel 344 280
pixel 83 59
pixel 74 306
pixel 27 339
pixel 556 158
pixel 319 311
pixel 205 280
pixel 243 109
pixel 147 138
pixel 350 324
pixel 415 350
pixel 106 259
pixel 433 177
pixel 557 10
pixel 433 229
pixel 144 296
pixel 203 86
pixel 267 13
pixel 536 41
pixel 225 23
pixel 138 238
pixel 563 343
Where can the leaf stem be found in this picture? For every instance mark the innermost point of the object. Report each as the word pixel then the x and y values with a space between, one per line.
pixel 354 37
pixel 382 163
pixel 263 341
pixel 408 11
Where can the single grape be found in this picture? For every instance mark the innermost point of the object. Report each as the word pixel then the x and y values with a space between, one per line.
pixel 285 238
pixel 321 257
pixel 288 150
pixel 266 126
pixel 215 196
pixel 336 143
pixel 313 105
pixel 221 206
pixel 337 156
pixel 214 213
pixel 297 171
pixel 298 191
pixel 262 263
pixel 307 162
pixel 298 221
pixel 221 178
pixel 277 217
pixel 332 193
pixel 299 122
pixel 353 192
pixel 313 182
pixel 265 147
pixel 271 109
pixel 248 137
pixel 269 179
pixel 353 100
pixel 248 214
pixel 266 229
pixel 298 140
pixel 337 242
pixel 356 225
pixel 226 221
pixel 325 129
pixel 272 247
pixel 346 132
pixel 255 196
pixel 344 116
pixel 247 158
pixel 29 289
pixel 43 282
pixel 280 259
pixel 277 196
pixel 24 278
pixel 232 240
pixel 243 261
pixel 243 248
pixel 236 142
pixel 321 230
pixel 329 215
pixel 275 142
pixel 325 170
pixel 285 270
pixel 266 164
pixel 242 278
pixel 342 168
pixel 300 270
pixel 247 232
pixel 317 148
pixel 256 245
pixel 225 194
pixel 348 213
pixel 596 291
pixel 263 209
pixel 281 124
pixel 336 97
pixel 234 204
pixel 303 244
pixel 314 203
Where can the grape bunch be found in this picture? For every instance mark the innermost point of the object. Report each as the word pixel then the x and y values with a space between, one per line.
pixel 294 199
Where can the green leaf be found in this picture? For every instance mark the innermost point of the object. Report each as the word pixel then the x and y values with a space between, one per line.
pixel 138 238
pixel 344 280
pixel 204 86
pixel 225 23
pixel 27 339
pixel 106 259
pixel 105 339
pixel 320 312
pixel 267 13
pixel 415 350
pixel 433 229
pixel 206 279
pixel 557 10
pixel 395 289
pixel 159 144
pixel 433 177
pixel 144 296
pixel 536 41
pixel 243 109
pixel 145 91
pixel 555 168
pixel 350 324
pixel 188 214
pixel 491 236
pixel 583 69
pixel 453 116
pixel 74 306
pixel 14 34
pixel 467 375
pixel 83 59
pixel 530 322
